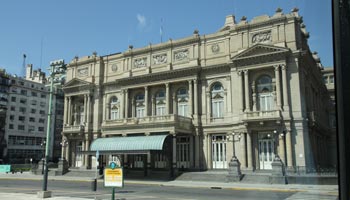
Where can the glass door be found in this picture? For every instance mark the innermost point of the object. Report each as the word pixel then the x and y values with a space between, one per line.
pixel 219 151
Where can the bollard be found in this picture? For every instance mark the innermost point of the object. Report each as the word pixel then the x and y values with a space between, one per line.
pixel 94 184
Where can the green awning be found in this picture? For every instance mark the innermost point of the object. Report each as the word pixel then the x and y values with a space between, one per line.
pixel 131 143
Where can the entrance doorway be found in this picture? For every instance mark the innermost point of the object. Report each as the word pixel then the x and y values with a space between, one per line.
pixel 266 153
pixel 78 155
pixel 219 151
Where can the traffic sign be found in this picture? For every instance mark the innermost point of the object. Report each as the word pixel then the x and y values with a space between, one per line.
pixel 114 177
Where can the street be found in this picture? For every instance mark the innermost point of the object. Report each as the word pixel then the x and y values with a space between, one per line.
pixel 69 188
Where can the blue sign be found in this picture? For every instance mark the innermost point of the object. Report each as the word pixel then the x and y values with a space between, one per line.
pixel 113 165
pixel 5 168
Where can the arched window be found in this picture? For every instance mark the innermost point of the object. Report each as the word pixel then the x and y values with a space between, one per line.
pixel 140 105
pixel 182 102
pixel 160 103
pixel 265 93
pixel 217 100
pixel 114 108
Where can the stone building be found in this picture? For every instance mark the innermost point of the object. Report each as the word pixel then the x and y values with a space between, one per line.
pixel 253 89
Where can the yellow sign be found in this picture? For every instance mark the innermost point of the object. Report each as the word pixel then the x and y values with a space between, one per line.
pixel 113 177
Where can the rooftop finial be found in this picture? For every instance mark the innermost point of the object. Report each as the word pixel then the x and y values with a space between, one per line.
pixel 131 47
pixel 195 32
pixel 278 10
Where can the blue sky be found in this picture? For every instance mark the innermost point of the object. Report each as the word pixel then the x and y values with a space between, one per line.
pixel 46 30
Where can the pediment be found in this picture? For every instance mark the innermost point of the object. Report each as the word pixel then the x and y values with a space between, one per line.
pixel 75 82
pixel 260 50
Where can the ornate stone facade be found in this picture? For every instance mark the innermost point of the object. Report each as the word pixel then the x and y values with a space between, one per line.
pixel 199 91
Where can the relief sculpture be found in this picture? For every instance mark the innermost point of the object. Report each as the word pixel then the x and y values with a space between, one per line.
pixel 159 59
pixel 141 62
pixel 181 55
pixel 261 37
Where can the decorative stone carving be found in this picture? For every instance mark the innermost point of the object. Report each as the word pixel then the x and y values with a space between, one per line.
pixel 160 59
pixel 83 71
pixel 215 48
pixel 114 67
pixel 140 62
pixel 261 37
pixel 181 55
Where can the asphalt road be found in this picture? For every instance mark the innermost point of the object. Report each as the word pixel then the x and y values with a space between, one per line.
pixel 137 191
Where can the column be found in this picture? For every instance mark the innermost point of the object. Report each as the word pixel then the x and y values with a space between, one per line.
pixel 249 150
pixel 167 98
pixel 65 114
pixel 133 107
pixel 83 156
pixel 126 103
pixel 88 113
pixel 174 164
pixel 174 104
pixel 153 105
pixel 69 110
pixel 244 148
pixel 241 90
pixel 104 109
pixel 68 151
pixel 87 148
pixel 196 150
pixel 146 101
pixel 195 90
pixel 190 110
pixel 285 88
pixel 281 147
pixel 85 109
pixel 278 86
pixel 190 151
pixel 289 148
pixel 246 91
pixel 122 105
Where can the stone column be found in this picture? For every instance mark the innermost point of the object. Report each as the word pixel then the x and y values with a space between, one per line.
pixel 87 148
pixel 249 150
pixel 122 104
pixel 85 108
pixel 278 86
pixel 126 104
pixel 104 108
pixel 195 90
pixel 196 150
pixel 285 88
pixel 146 101
pixel 88 113
pixel 167 98
pixel 68 151
pixel 83 155
pixel 190 100
pixel 133 108
pixel 174 163
pixel 241 91
pixel 174 104
pixel 65 114
pixel 289 148
pixel 244 150
pixel 69 111
pixel 153 105
pixel 281 151
pixel 246 91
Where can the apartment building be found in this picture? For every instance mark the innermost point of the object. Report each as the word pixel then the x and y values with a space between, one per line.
pixel 253 90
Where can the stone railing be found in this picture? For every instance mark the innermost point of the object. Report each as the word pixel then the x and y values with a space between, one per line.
pixel 262 115
pixel 73 128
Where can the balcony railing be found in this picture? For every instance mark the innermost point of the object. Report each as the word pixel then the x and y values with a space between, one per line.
pixel 178 121
pixel 73 128
pixel 262 115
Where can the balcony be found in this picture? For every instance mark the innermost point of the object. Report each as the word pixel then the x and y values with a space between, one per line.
pixel 262 115
pixel 165 122
pixel 73 128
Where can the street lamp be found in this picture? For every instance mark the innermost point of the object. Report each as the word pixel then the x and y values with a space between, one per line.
pixel 234 166
pixel 56 74
pixel 233 143
pixel 43 144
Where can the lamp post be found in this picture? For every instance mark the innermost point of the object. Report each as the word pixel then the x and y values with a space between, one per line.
pixel 57 71
pixel 234 166
pixel 277 164
pixel 43 143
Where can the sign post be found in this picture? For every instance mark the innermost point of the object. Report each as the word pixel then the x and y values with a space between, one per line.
pixel 113 177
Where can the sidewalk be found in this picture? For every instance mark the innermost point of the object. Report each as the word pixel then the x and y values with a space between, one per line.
pixel 315 189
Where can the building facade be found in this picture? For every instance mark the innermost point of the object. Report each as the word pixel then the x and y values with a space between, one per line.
pixel 4 89
pixel 253 89
pixel 26 118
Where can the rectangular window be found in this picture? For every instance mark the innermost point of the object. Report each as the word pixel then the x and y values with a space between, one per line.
pixel 23 92
pixel 34 94
pixel 43 95
pixel 21 118
pixel 160 110
pixel 42 112
pixel 42 104
pixel 33 111
pixel 183 109
pixel 22 109
pixel 10 126
pixel 13 99
pixel 331 79
pixel 218 109
pixel 13 108
pixel 31 129
pixel 31 119
pixel 23 101
pixel 41 129
pixel 21 127
pixel 12 117
pixel 140 112
pixel 41 120
pixel 33 102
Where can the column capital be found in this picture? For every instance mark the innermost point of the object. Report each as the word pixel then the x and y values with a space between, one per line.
pixel 195 81
pixel 239 72
pixel 276 67
pixel 167 85
pixel 245 72
pixel 284 66
pixel 146 88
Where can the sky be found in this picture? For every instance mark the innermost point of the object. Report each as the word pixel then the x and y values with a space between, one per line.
pixel 46 30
